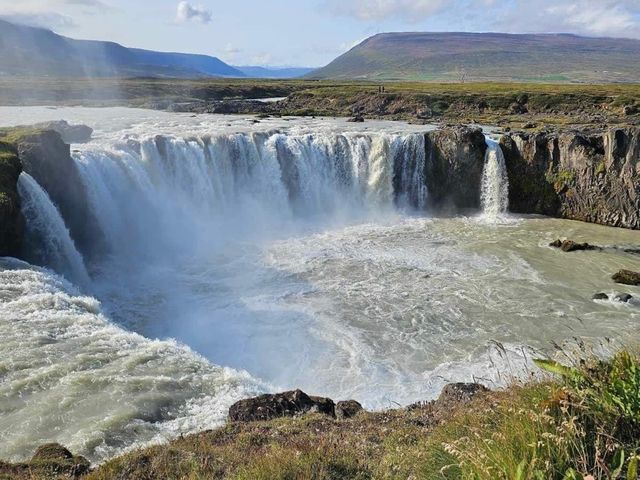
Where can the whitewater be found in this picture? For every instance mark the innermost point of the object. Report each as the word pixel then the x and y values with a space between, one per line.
pixel 217 271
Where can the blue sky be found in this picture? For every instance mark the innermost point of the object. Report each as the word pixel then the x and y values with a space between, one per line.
pixel 309 32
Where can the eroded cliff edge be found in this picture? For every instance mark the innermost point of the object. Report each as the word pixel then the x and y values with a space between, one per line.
pixel 592 176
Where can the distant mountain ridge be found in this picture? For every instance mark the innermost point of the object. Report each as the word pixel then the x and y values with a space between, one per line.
pixel 36 51
pixel 488 57
pixel 274 72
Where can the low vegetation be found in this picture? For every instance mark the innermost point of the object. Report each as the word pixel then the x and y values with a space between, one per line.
pixel 513 104
pixel 582 423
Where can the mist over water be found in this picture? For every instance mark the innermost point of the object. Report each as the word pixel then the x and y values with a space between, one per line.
pixel 275 256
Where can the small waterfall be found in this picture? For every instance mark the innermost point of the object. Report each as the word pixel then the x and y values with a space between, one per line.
pixel 47 238
pixel 494 194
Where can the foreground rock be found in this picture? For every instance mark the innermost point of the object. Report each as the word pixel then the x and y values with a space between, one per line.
pixel 627 277
pixel 287 404
pixel 348 409
pixel 571 246
pixel 50 461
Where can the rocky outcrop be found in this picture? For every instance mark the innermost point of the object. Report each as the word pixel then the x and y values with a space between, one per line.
pixel 588 176
pixel 11 224
pixel 47 158
pixel 287 404
pixel 455 161
pixel 627 277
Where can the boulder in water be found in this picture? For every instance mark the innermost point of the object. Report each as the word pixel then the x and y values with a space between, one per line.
pixel 287 404
pixel 571 246
pixel 600 296
pixel 623 297
pixel 356 119
pixel 348 409
pixel 627 277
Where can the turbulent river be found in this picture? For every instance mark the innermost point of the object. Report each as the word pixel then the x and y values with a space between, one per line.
pixel 215 271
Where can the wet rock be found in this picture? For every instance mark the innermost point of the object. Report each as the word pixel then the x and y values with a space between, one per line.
pixel 287 404
pixel 623 297
pixel 601 296
pixel 348 409
pixel 629 110
pixel 632 251
pixel 460 393
pixel 571 246
pixel 356 119
pixel 627 277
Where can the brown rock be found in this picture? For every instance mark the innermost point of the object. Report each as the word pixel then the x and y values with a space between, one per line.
pixel 460 393
pixel 287 404
pixel 627 277
pixel 348 409
pixel 571 246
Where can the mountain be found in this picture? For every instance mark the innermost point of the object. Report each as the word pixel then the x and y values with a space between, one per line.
pixel 275 72
pixel 37 51
pixel 487 57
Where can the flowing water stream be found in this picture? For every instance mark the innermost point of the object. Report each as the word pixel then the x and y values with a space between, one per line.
pixel 217 271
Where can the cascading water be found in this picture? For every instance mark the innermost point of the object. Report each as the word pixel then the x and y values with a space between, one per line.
pixel 167 194
pixel 494 194
pixel 47 238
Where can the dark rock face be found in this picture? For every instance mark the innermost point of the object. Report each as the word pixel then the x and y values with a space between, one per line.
pixel 455 161
pixel 627 277
pixel 347 409
pixel 11 224
pixel 571 246
pixel 47 158
pixel 287 404
pixel 460 393
pixel 69 133
pixel 592 177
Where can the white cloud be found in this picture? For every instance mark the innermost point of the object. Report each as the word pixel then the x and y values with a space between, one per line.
pixel 187 12
pixel 49 20
pixel 617 18
pixel 409 10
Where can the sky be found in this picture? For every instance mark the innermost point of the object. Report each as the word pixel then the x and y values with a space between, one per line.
pixel 309 32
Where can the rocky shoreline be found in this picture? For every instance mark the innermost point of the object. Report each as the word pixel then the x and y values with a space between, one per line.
pixel 55 461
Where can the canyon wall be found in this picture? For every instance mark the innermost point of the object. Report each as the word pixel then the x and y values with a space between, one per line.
pixel 579 175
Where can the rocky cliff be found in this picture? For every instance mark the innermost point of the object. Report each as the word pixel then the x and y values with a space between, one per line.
pixel 455 160
pixel 10 218
pixel 588 176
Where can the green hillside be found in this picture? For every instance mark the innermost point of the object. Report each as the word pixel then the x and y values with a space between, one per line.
pixel 488 57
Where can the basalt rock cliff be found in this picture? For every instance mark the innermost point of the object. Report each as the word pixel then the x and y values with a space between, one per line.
pixel 588 176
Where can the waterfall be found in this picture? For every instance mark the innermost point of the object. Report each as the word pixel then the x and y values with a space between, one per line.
pixel 47 237
pixel 495 183
pixel 164 194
